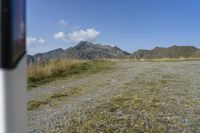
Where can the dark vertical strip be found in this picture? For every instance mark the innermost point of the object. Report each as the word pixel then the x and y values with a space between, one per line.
pixel 6 33
pixel 12 48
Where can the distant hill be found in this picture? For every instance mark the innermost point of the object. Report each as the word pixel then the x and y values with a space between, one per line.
pixel 171 52
pixel 83 50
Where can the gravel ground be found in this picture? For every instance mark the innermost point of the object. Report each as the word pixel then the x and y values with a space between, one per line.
pixel 100 88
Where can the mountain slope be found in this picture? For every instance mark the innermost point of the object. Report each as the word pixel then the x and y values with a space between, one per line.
pixel 44 57
pixel 83 50
pixel 197 53
pixel 171 52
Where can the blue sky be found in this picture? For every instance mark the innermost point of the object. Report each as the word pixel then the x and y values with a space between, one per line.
pixel 128 24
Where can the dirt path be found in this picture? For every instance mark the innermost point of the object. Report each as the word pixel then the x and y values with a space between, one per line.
pixel 91 91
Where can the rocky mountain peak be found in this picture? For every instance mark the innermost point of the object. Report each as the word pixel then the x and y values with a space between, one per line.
pixel 83 45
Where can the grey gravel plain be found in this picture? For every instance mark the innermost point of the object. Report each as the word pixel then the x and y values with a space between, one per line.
pixel 178 84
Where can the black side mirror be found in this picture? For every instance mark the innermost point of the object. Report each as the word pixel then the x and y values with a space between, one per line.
pixel 12 34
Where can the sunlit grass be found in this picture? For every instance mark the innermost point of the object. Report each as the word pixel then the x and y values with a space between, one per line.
pixel 58 69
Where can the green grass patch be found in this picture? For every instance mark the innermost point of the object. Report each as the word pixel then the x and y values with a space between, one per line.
pixel 76 91
pixel 32 105
pixel 61 95
pixel 55 98
pixel 71 92
pixel 118 102
pixel 163 81
pixel 167 76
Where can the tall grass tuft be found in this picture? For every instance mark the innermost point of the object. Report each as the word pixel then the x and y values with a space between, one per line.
pixel 51 68
pixel 41 73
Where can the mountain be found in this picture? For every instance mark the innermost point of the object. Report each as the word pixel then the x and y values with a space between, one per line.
pixel 171 52
pixel 89 50
pixel 83 50
pixel 197 53
pixel 44 57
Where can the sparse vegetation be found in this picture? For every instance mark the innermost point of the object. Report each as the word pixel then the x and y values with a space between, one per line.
pixel 59 95
pixel 58 69
pixel 32 105
pixel 147 107
pixel 71 92
pixel 135 97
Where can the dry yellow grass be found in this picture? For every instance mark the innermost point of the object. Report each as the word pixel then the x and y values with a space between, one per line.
pixel 64 68
pixel 52 67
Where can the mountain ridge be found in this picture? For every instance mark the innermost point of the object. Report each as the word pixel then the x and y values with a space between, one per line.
pixel 83 50
pixel 89 50
pixel 170 52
